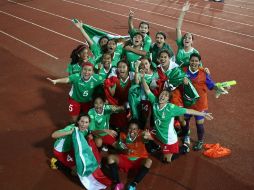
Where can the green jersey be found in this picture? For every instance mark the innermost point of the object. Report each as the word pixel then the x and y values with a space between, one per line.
pixel 147 39
pixel 183 57
pixel 82 90
pixel 131 58
pixel 164 120
pixel 64 144
pixel 100 121
pixel 96 50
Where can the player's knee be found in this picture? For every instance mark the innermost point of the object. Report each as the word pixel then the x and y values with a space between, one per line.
pixel 148 163
pixel 111 159
pixel 98 142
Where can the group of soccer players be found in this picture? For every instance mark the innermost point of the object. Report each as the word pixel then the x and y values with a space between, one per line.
pixel 126 96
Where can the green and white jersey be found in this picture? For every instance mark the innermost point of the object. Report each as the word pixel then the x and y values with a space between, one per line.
pixel 131 58
pixel 82 90
pixel 183 57
pixel 164 120
pixel 100 121
pixel 103 73
pixel 147 39
pixel 64 144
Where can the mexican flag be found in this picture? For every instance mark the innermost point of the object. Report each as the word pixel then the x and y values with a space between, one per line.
pixel 87 158
pixel 95 33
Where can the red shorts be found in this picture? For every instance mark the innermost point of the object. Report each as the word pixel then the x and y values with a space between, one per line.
pixel 76 107
pixel 66 158
pixel 108 139
pixel 125 164
pixel 167 148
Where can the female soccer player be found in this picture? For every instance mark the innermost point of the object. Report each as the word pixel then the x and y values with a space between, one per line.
pixel 134 156
pixel 164 113
pixel 83 86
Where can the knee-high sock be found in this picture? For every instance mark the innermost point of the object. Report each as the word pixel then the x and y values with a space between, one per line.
pixel 200 131
pixel 141 174
pixel 114 172
pixel 186 128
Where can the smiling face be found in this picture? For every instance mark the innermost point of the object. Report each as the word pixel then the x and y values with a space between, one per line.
pixel 87 71
pixel 164 60
pixel 83 123
pixel 98 105
pixel 187 40
pixel 145 65
pixel 137 40
pixel 84 54
pixel 106 61
pixel 143 28
pixel 103 41
pixel 160 40
pixel 194 63
pixel 133 130
pixel 164 97
pixel 111 46
pixel 123 70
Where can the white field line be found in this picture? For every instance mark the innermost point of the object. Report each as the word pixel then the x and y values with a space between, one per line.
pixel 56 15
pixel 44 52
pixel 212 39
pixel 244 1
pixel 196 13
pixel 40 26
pixel 227 4
pixel 185 20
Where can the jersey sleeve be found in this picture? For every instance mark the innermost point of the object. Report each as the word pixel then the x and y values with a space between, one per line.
pixel 74 77
pixel 209 82
pixel 96 50
pixel 177 111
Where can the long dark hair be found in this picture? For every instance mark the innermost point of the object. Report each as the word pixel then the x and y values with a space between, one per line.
pixel 75 57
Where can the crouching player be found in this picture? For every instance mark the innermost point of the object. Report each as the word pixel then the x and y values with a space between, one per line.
pixel 63 148
pixel 134 157
pixel 164 113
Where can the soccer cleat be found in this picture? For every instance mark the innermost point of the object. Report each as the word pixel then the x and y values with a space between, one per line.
pixel 53 163
pixel 185 148
pixel 198 146
pixel 119 186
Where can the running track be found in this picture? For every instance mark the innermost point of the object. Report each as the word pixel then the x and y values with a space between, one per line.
pixel 36 40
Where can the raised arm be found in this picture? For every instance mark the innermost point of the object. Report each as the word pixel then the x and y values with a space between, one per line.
pixel 185 8
pixel 145 85
pixel 79 25
pixel 130 21
pixel 136 51
pixel 137 63
pixel 208 116
pixel 61 80
pixel 58 134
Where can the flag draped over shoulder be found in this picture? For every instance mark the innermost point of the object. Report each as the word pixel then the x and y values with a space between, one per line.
pixel 87 166
pixel 95 34
pixel 175 78
pixel 134 100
